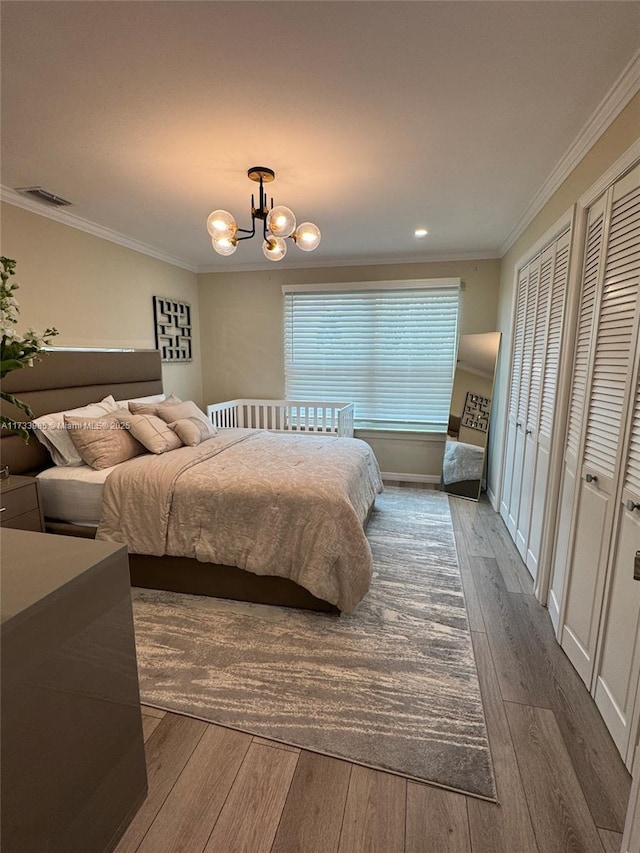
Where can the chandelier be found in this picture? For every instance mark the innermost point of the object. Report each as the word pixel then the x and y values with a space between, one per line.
pixel 278 223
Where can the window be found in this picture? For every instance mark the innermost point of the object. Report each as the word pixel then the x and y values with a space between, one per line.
pixel 389 347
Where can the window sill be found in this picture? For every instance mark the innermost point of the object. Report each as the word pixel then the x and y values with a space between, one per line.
pixel 399 434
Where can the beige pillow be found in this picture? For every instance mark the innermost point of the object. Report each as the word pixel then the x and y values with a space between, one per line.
pixel 103 441
pixel 193 431
pixel 151 408
pixel 153 432
pixel 170 412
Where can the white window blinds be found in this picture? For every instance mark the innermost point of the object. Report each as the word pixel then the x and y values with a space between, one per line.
pixel 390 351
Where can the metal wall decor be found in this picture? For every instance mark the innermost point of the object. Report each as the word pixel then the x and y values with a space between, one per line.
pixel 476 412
pixel 173 328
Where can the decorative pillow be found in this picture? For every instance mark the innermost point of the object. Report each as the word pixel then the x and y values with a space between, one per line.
pixel 170 412
pixel 193 431
pixel 153 432
pixel 137 408
pixel 52 431
pixel 104 441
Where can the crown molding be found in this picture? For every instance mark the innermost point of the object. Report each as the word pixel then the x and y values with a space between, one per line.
pixel 364 261
pixel 10 196
pixel 616 99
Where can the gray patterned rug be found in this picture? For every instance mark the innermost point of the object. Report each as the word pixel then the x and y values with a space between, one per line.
pixel 394 686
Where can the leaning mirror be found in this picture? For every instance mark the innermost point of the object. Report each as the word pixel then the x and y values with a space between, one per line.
pixel 465 452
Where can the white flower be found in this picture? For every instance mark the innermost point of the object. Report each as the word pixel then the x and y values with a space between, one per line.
pixel 6 324
pixel 35 338
pixel 8 314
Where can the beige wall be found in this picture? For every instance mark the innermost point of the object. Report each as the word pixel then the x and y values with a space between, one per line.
pixel 622 133
pixel 96 293
pixel 243 354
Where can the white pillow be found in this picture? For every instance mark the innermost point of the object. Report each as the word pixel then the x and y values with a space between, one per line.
pixel 154 398
pixel 52 432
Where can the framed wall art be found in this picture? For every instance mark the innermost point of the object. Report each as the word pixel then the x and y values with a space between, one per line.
pixel 173 329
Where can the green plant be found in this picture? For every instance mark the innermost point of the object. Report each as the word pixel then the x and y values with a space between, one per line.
pixel 15 351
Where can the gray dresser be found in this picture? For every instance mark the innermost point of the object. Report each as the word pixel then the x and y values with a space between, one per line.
pixel 73 765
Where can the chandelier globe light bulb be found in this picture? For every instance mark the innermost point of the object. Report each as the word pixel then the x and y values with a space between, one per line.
pixel 281 221
pixel 224 245
pixel 220 223
pixel 307 236
pixel 274 248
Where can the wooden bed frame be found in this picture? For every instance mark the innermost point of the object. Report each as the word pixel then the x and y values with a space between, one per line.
pixel 67 379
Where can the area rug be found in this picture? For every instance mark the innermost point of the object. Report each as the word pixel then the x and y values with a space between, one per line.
pixel 393 686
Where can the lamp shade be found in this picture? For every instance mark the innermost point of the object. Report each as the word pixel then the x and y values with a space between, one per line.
pixel 307 236
pixel 221 223
pixel 281 221
pixel 274 248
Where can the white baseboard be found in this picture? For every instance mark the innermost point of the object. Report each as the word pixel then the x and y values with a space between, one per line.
pixel 493 500
pixel 411 478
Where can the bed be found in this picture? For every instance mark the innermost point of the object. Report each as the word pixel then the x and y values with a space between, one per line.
pixel 65 380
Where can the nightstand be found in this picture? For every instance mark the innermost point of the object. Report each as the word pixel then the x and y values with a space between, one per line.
pixel 19 504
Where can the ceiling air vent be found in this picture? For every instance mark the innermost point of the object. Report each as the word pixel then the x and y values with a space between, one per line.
pixel 44 195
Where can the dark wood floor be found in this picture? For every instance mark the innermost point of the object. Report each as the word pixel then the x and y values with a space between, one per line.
pixel 561 784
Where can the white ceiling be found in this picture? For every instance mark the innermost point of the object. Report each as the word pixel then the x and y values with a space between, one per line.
pixel 378 117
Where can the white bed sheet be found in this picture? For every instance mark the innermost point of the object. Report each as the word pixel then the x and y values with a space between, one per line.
pixel 73 493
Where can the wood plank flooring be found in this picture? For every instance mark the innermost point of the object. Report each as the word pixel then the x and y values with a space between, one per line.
pixel 561 783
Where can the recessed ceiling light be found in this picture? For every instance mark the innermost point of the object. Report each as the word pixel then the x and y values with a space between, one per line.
pixel 421 232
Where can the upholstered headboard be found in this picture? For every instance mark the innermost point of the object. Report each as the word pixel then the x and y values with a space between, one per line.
pixel 65 380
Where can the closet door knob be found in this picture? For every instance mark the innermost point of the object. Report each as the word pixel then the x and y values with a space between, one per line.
pixel 529 431
pixel 631 506
pixel 591 478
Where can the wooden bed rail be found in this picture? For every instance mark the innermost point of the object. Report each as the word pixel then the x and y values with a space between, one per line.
pixel 285 416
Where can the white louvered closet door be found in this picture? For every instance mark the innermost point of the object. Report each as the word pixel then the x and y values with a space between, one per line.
pixel 522 390
pixel 547 405
pixel 618 661
pixel 592 270
pixel 611 363
pixel 538 322
pixel 514 395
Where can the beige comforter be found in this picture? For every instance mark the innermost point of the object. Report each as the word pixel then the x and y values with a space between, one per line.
pixel 273 504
